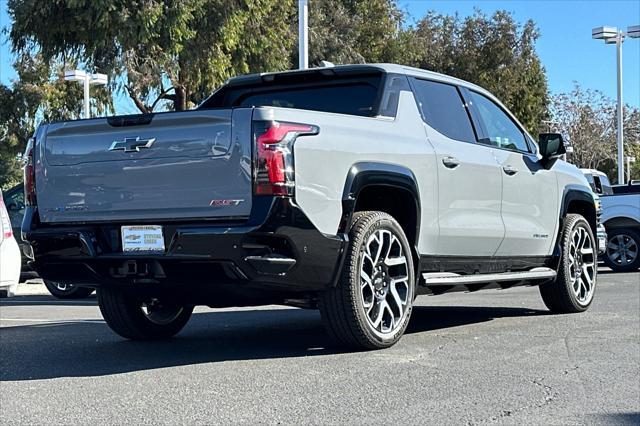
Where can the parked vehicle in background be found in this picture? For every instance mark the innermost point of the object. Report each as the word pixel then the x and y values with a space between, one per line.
pixel 598 181
pixel 9 254
pixel 621 219
pixel 14 203
pixel 351 188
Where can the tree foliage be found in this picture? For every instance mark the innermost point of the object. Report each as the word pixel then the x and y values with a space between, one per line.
pixel 353 31
pixel 494 52
pixel 174 50
pixel 588 118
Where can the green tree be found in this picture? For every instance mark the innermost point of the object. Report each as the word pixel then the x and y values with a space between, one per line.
pixel 159 50
pixel 352 31
pixel 494 52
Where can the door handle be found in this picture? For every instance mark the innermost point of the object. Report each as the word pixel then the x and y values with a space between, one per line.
pixel 510 170
pixel 450 162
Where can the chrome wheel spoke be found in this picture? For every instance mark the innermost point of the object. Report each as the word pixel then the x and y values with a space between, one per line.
pixel 582 263
pixel 394 261
pixel 384 281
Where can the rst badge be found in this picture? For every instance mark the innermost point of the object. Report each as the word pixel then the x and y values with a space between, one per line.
pixel 225 203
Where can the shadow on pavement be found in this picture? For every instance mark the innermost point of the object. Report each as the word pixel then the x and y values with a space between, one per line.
pixel 81 349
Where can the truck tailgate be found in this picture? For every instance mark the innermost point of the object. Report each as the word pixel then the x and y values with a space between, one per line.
pixel 180 165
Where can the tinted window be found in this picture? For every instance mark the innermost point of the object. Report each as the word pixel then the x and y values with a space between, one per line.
pixel 352 94
pixel 14 202
pixel 353 99
pixel 592 182
pixel 606 185
pixel 443 109
pixel 502 132
pixel 598 184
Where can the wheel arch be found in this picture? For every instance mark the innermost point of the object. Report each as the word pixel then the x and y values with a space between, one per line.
pixel 385 187
pixel 622 222
pixel 579 200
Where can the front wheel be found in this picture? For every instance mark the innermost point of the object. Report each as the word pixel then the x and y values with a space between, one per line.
pixel 371 305
pixel 66 291
pixel 141 318
pixel 574 286
pixel 623 250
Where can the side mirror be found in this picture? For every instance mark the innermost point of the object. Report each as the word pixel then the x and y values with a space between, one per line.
pixel 551 145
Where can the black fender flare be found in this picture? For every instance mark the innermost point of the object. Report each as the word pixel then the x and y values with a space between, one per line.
pixel 577 193
pixel 364 174
pixel 571 193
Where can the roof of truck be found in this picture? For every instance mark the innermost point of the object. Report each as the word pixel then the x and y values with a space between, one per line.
pixel 352 69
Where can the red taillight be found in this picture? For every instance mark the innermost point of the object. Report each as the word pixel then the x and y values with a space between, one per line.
pixel 5 221
pixel 274 173
pixel 29 176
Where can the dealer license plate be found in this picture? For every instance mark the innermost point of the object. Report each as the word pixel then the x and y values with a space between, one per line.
pixel 142 238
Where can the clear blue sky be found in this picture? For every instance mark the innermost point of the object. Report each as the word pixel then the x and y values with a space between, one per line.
pixel 565 46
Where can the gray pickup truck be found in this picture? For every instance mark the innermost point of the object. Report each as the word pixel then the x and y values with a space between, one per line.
pixel 351 189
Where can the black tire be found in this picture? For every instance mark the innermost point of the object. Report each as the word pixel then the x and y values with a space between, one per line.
pixel 343 308
pixel 626 236
pixel 123 313
pixel 559 295
pixel 67 291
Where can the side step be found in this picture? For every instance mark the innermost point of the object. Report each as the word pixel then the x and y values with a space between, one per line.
pixel 449 278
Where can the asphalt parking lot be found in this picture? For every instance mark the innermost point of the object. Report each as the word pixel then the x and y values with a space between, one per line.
pixel 492 357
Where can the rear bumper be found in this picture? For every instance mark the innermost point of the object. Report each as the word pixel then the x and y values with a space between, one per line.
pixel 276 248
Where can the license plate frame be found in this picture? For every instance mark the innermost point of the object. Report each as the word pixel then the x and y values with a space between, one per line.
pixel 141 239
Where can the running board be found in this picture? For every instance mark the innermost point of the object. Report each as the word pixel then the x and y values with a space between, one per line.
pixel 450 278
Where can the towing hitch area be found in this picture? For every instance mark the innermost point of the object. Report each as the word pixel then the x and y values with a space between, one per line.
pixel 147 270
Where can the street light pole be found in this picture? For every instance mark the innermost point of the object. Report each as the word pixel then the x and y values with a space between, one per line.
pixel 620 112
pixel 87 80
pixel 612 35
pixel 303 34
pixel 86 107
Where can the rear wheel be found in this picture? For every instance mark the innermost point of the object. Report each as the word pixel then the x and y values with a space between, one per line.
pixel 67 291
pixel 575 284
pixel 371 305
pixel 623 250
pixel 139 318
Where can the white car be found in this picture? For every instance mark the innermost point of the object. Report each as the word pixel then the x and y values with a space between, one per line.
pixel 10 261
pixel 621 218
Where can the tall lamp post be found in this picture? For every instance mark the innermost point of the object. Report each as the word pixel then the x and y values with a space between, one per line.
pixel 87 80
pixel 303 34
pixel 611 35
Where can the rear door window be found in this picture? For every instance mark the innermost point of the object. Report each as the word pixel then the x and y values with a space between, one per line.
pixel 443 108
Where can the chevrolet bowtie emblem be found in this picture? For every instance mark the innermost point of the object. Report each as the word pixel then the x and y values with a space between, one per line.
pixel 132 144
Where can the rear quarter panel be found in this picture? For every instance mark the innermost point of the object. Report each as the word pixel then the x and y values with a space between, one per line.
pixel 322 162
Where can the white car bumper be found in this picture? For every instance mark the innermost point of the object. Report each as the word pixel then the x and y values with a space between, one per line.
pixel 10 264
